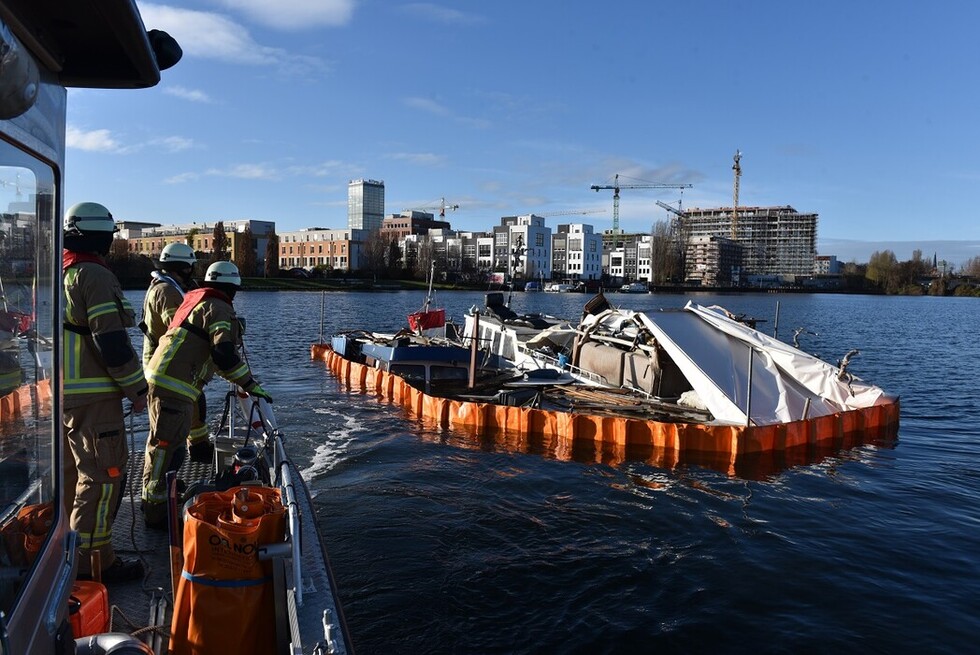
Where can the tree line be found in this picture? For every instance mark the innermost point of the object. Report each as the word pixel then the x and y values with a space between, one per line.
pixel 134 269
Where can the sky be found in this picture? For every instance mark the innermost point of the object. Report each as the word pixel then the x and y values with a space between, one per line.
pixel 867 114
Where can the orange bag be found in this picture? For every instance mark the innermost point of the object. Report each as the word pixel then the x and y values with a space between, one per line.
pixel 225 600
pixel 24 535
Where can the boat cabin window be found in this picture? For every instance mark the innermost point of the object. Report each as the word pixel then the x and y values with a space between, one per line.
pixel 411 372
pixel 28 303
pixel 448 373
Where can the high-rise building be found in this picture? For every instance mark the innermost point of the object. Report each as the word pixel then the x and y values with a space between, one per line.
pixel 365 204
pixel 774 240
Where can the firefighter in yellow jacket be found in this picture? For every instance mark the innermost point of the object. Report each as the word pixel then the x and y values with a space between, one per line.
pixel 203 337
pixel 173 279
pixel 100 369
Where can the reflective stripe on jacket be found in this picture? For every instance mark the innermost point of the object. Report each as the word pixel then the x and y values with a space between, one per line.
pixel 183 361
pixel 162 300
pixel 94 307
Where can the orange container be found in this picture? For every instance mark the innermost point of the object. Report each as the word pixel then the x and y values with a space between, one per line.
pixel 88 608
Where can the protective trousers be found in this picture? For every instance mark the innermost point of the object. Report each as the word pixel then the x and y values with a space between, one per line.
pixel 95 473
pixel 200 431
pixel 170 421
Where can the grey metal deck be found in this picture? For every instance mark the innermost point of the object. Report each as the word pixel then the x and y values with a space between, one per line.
pixel 130 601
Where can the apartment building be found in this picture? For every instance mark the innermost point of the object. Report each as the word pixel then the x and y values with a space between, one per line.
pixel 576 253
pixel 774 240
pixel 339 250
pixel 149 239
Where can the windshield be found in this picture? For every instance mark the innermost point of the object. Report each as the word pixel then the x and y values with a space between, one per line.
pixel 28 300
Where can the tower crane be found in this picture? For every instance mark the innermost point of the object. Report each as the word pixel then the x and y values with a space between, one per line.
pixel 442 207
pixel 569 212
pixel 616 186
pixel 677 211
pixel 737 167
pixel 674 210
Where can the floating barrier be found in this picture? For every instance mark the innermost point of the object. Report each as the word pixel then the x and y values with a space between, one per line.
pixel 756 450
pixel 26 400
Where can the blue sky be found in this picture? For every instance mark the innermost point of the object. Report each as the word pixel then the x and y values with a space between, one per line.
pixel 865 113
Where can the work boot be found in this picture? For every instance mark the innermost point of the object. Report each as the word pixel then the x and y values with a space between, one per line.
pixel 201 451
pixel 122 570
pixel 155 516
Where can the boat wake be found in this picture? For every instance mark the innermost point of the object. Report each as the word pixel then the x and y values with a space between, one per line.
pixel 345 429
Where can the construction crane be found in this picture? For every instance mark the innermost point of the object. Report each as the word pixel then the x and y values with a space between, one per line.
pixel 678 212
pixel 737 167
pixel 569 212
pixel 616 186
pixel 674 210
pixel 442 207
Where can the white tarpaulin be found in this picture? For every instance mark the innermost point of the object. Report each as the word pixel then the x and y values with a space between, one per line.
pixel 717 355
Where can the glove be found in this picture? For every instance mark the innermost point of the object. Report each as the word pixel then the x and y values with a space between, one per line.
pixel 257 390
pixel 201 451
pixel 139 405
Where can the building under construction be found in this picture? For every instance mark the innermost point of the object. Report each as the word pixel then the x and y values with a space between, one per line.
pixel 773 240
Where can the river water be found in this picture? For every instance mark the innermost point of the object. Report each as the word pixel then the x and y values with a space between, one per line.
pixel 445 544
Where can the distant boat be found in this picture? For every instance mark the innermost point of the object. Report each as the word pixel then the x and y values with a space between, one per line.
pixel 559 287
pixel 635 287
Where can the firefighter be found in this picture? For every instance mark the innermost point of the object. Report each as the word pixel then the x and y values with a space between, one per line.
pixel 173 279
pixel 100 369
pixel 203 337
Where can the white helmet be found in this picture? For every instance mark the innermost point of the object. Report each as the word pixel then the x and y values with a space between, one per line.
pixel 178 253
pixel 224 273
pixel 89 218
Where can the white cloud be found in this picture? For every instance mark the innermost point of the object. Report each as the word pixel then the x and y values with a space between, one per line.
pixel 328 168
pixel 92 141
pixel 181 178
pixel 427 105
pixel 193 95
pixel 173 143
pixel 104 141
pixel 419 158
pixel 434 12
pixel 209 35
pixel 437 109
pixel 294 14
pixel 247 172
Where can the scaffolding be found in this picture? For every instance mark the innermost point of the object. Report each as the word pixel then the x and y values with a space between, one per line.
pixel 774 240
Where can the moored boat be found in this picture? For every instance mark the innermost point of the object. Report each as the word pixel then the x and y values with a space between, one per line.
pixel 533 286
pixel 286 603
pixel 635 287
pixel 691 384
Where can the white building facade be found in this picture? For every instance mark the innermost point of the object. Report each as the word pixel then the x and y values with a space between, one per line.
pixel 583 252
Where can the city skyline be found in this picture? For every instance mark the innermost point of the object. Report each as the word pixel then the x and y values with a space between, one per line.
pixel 508 109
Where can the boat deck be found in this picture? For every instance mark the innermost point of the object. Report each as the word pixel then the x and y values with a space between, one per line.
pixel 135 606
pixel 130 602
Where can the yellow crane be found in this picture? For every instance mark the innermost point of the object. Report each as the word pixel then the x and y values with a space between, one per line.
pixel 737 167
pixel 616 186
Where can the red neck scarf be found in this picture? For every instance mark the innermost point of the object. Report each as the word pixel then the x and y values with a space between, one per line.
pixel 70 258
pixel 191 300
